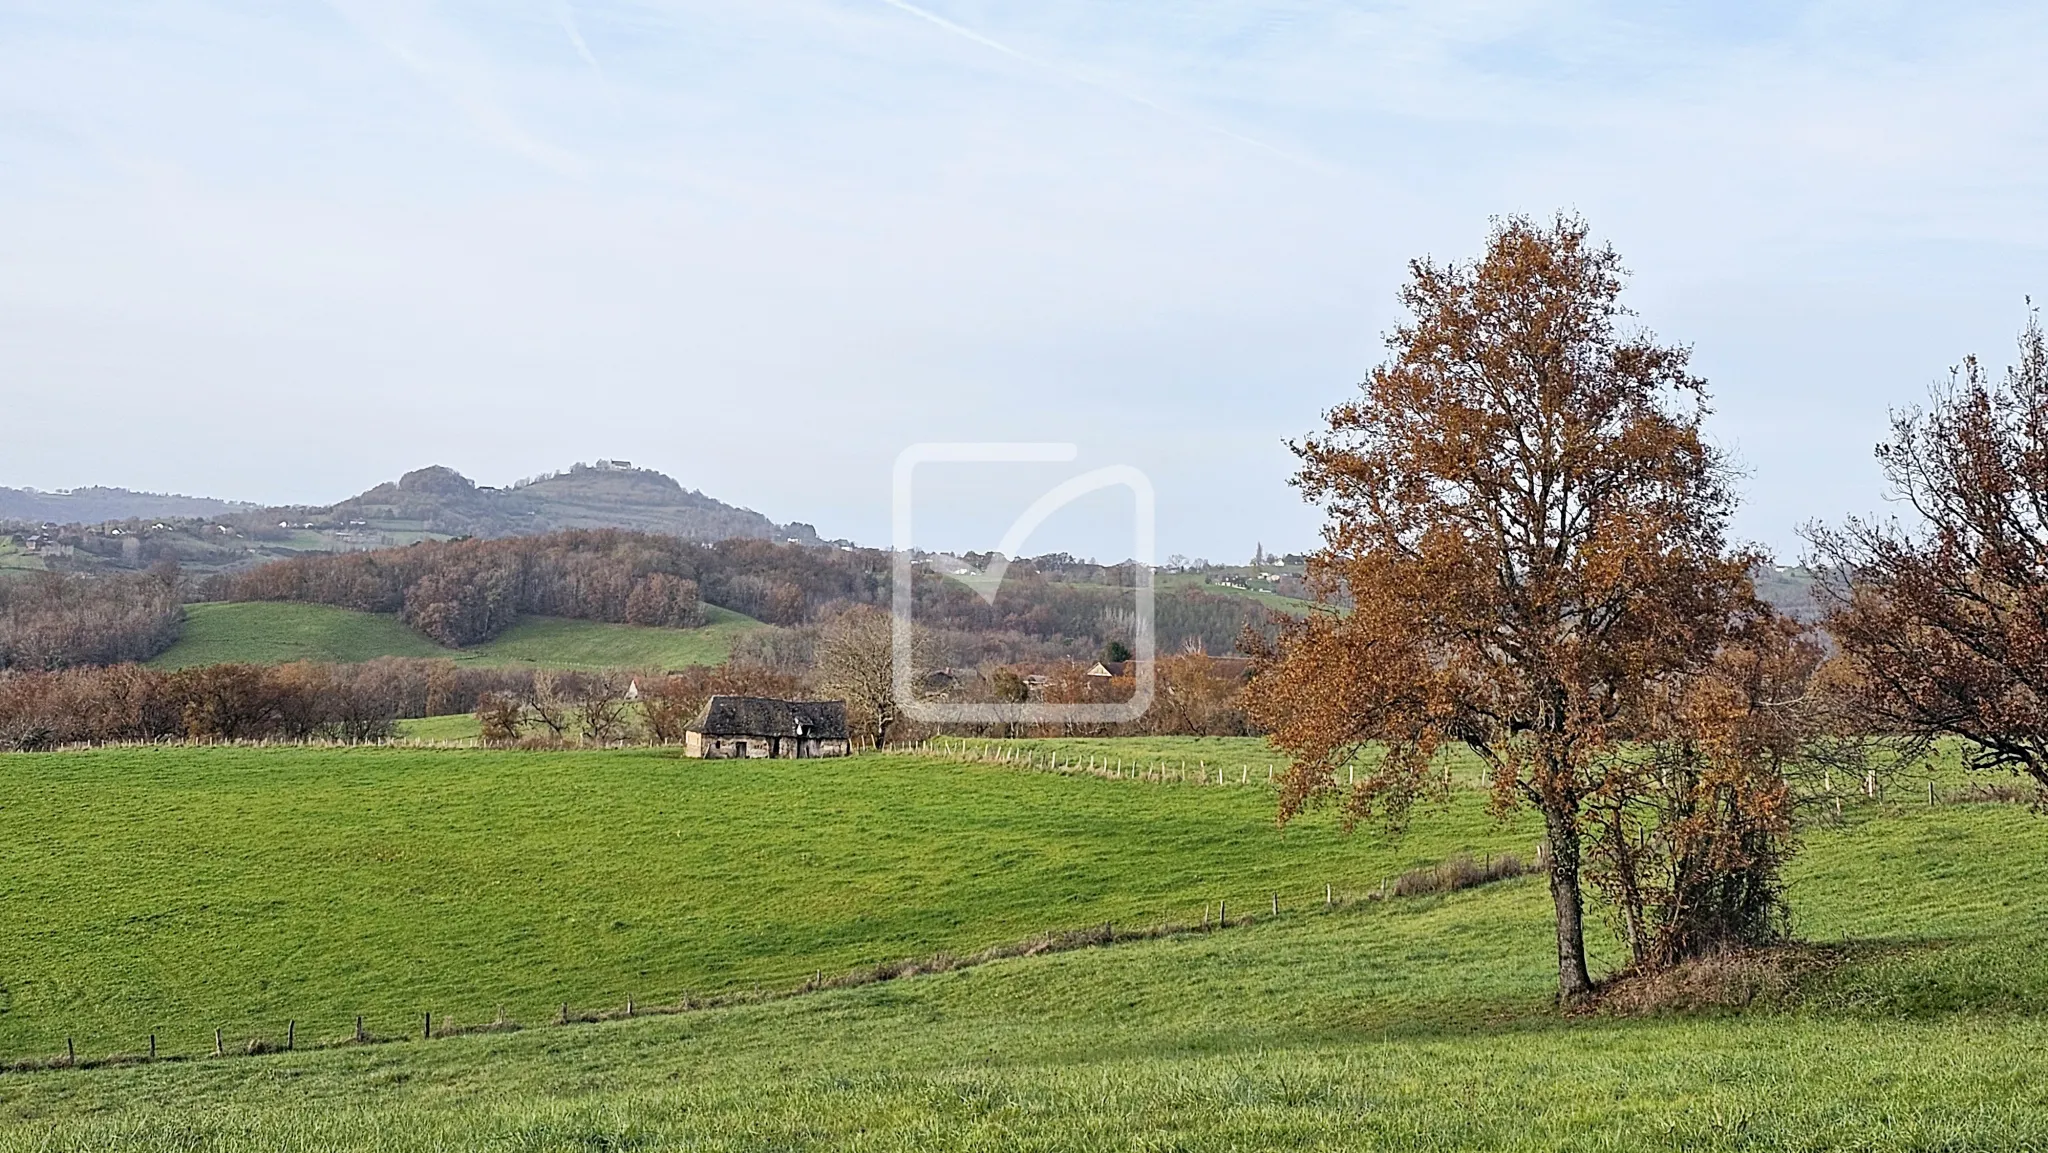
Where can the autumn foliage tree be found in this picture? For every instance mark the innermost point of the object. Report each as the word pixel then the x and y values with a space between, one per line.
pixel 1530 527
pixel 1688 835
pixel 1944 622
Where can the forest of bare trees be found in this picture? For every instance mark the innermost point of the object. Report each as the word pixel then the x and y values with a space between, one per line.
pixel 55 620
pixel 301 701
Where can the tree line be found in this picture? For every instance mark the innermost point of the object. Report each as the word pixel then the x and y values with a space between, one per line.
pixel 465 592
pixel 53 620
pixel 229 702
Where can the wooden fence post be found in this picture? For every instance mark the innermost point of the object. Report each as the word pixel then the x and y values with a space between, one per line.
pixel 1329 896
pixel 70 1051
pixel 219 1050
pixel 1276 904
pixel 152 1046
pixel 1223 914
pixel 359 1026
pixel 427 1030
pixel 291 1034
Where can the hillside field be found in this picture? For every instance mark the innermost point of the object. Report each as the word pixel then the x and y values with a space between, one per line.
pixel 180 890
pixel 275 632
pixel 242 886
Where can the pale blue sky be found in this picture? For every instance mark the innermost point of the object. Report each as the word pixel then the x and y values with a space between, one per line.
pixel 282 254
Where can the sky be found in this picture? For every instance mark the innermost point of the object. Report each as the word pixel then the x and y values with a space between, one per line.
pixel 282 253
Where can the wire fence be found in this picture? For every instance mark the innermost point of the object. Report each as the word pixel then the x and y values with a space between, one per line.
pixel 1457 873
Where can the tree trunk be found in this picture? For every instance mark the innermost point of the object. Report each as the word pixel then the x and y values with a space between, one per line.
pixel 1573 983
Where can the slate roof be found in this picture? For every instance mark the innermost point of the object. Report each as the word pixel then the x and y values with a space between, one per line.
pixel 768 717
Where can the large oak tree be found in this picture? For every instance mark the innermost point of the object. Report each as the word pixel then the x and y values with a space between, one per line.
pixel 1528 528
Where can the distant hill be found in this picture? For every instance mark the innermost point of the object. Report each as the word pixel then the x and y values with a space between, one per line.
pixel 115 529
pixel 95 505
pixel 443 502
pixel 1789 589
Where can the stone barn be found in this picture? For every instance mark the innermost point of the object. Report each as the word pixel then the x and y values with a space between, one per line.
pixel 766 727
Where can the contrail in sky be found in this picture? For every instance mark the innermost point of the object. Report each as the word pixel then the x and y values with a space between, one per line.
pixel 567 15
pixel 997 46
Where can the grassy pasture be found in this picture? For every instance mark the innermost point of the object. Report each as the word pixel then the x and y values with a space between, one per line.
pixel 1264 596
pixel 180 890
pixel 275 632
pixel 454 728
pixel 1421 1023
pixel 13 560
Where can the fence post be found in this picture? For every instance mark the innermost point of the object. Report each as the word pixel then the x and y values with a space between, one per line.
pixel 152 1046
pixel 1223 914
pixel 427 1030
pixel 219 1050
pixel 1276 904
pixel 291 1034
pixel 359 1026
pixel 70 1052
pixel 1930 791
pixel 1329 896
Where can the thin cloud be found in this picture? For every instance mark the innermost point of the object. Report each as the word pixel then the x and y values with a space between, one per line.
pixel 1080 78
pixel 458 72
pixel 565 13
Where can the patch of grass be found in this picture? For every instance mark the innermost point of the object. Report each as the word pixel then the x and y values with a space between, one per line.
pixel 183 889
pixel 1267 597
pixel 555 642
pixel 464 882
pixel 275 632
pixel 1418 1024
pixel 458 727
pixel 1240 759
pixel 13 560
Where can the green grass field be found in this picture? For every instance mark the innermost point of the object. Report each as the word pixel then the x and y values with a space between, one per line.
pixel 245 886
pixel 1264 596
pixel 13 560
pixel 460 727
pixel 274 632
pixel 184 889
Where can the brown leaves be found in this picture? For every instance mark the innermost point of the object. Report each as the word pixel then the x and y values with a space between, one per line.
pixel 1524 513
pixel 1945 624
pixel 1528 521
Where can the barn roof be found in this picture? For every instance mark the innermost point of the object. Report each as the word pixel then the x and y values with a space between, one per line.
pixel 768 717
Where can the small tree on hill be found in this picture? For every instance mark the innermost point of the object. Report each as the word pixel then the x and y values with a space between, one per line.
pixel 1529 524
